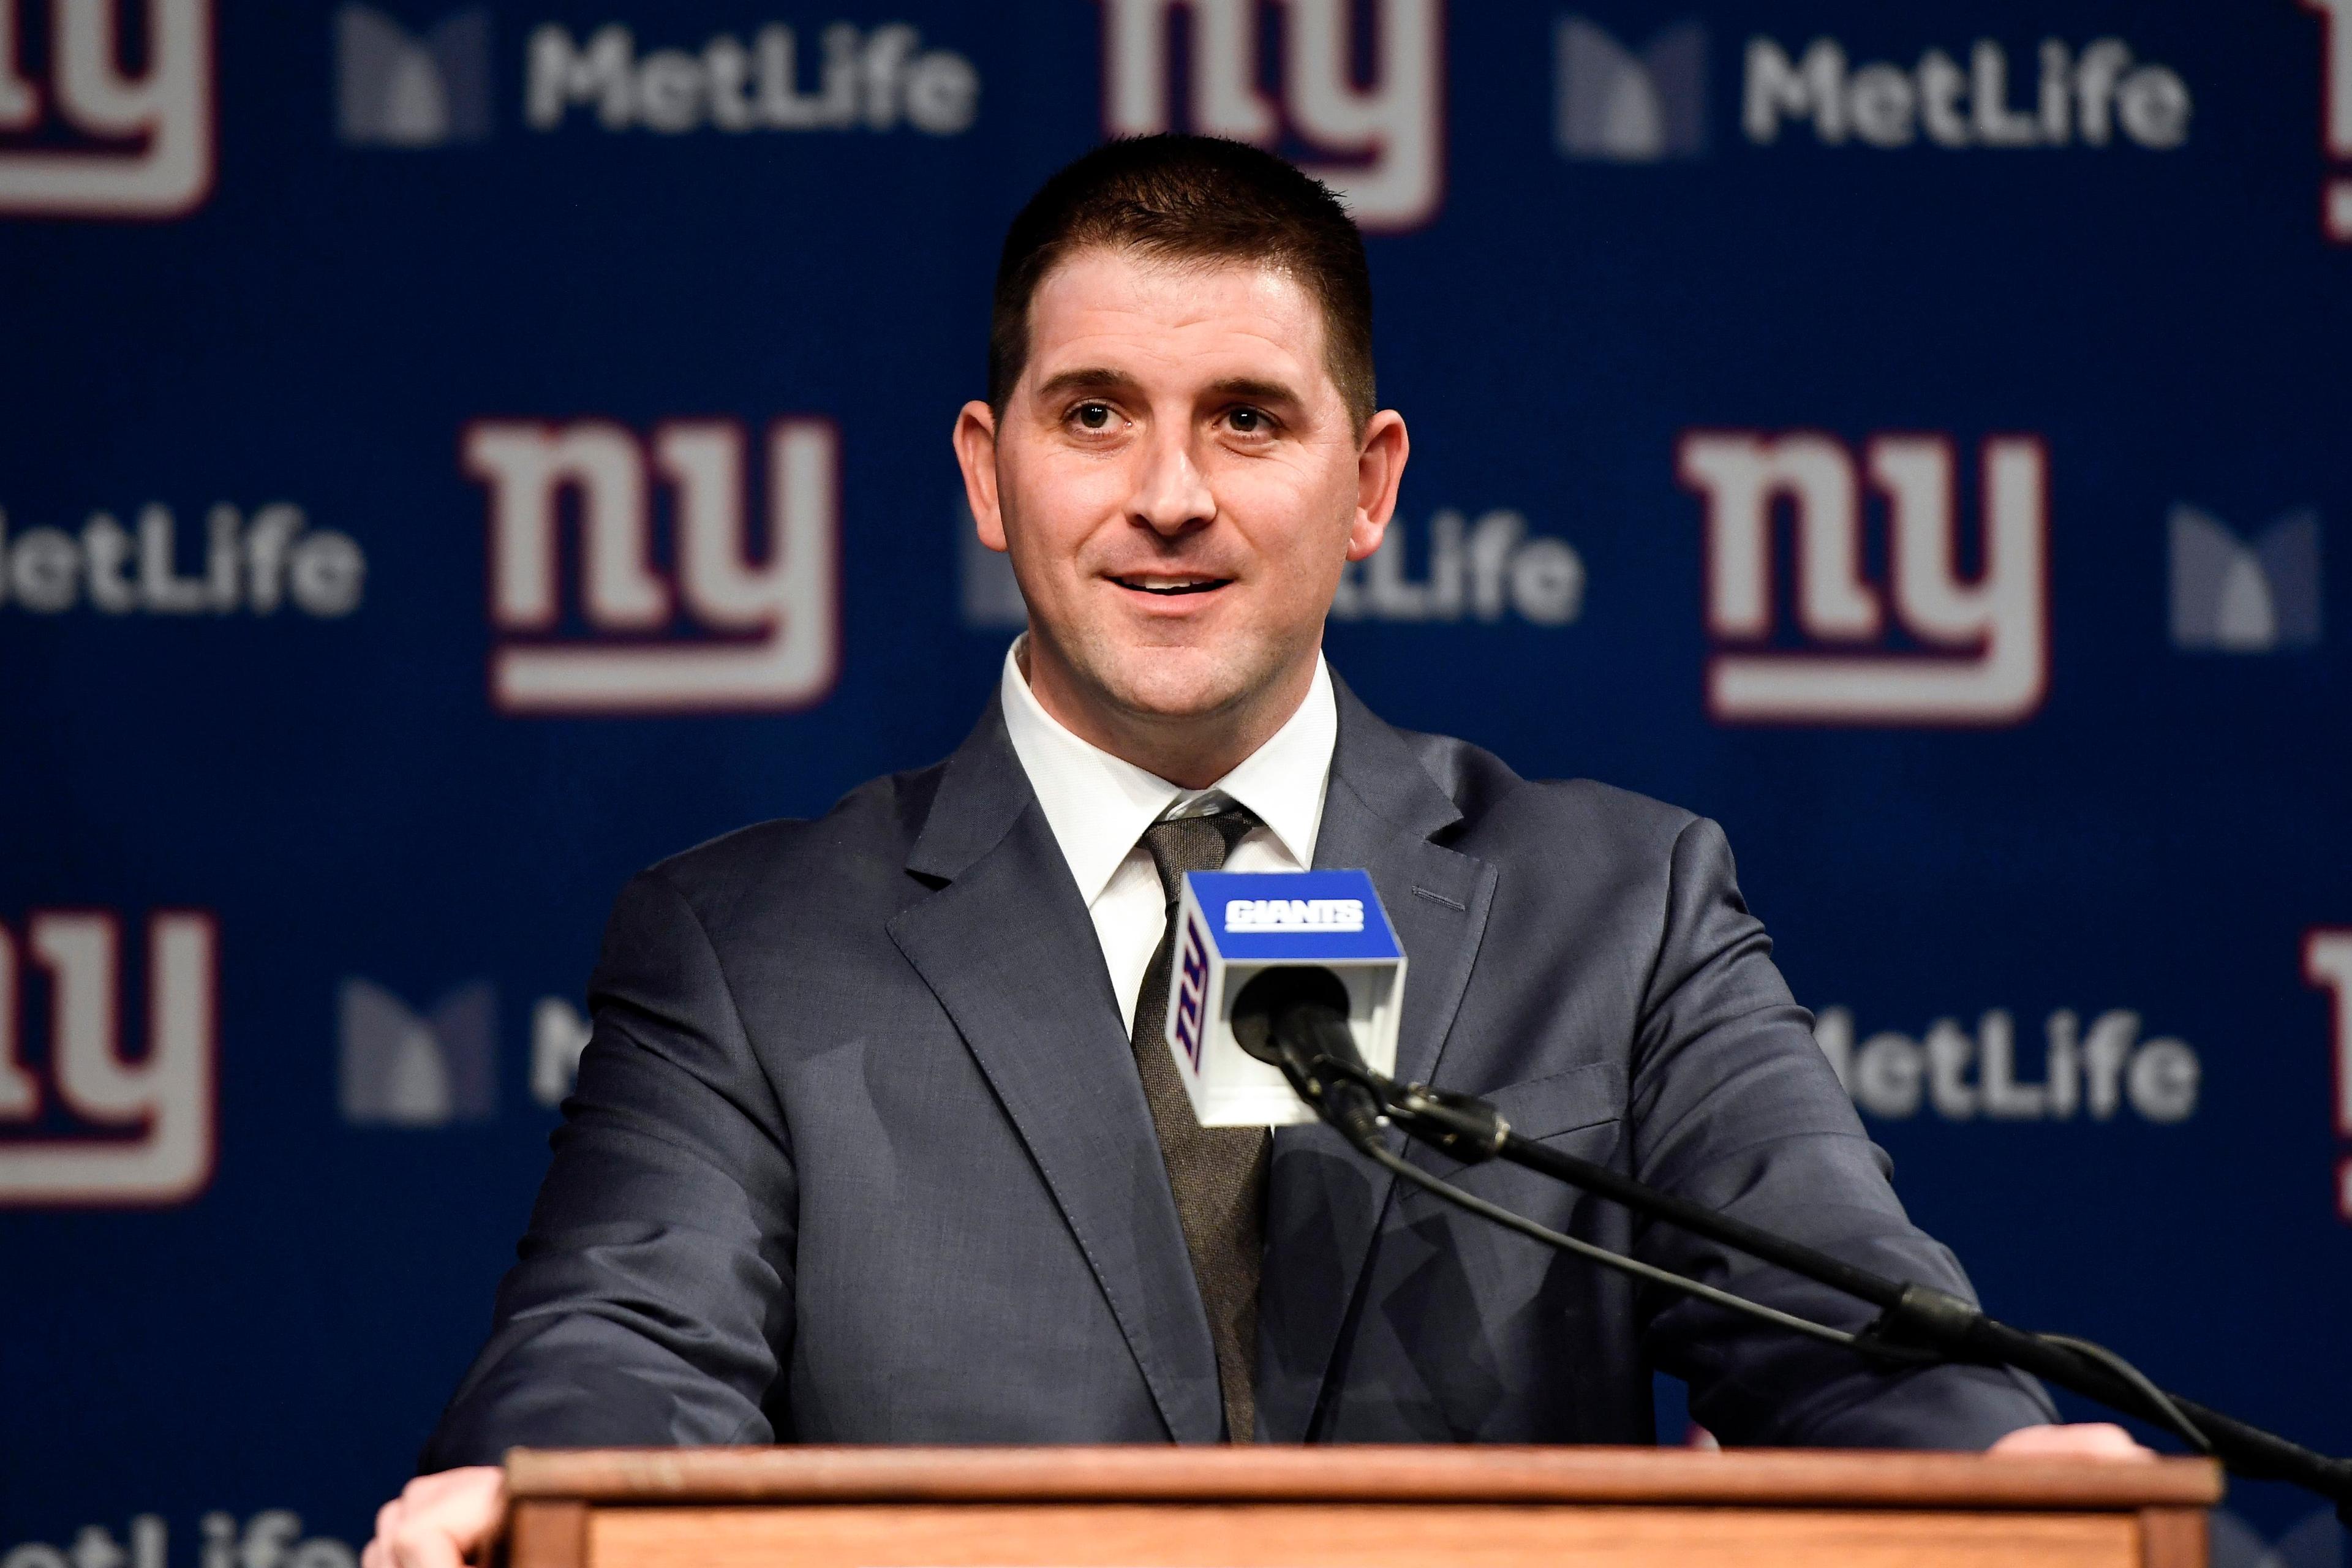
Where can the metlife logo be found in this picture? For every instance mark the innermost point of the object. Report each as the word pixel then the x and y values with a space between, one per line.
pixel 1620 102
pixel 431 87
pixel 254 564
pixel 876 79
pixel 400 1068
pixel 418 1068
pixel 272 1538
pixel 1483 571
pixel 396 89
pixel 2093 1071
pixel 1623 105
pixel 2099 94
pixel 2258 594
pixel 1630 98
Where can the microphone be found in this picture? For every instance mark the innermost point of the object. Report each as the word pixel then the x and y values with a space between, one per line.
pixel 1297 1019
pixel 1315 953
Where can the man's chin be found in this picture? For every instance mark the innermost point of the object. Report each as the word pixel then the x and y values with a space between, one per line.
pixel 1177 686
pixel 1172 704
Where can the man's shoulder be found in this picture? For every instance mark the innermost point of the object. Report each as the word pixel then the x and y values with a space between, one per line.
pixel 1499 806
pixel 855 854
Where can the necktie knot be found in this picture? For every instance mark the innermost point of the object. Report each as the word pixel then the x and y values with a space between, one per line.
pixel 1181 844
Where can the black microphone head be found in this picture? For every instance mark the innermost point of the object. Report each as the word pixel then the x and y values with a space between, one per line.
pixel 1273 991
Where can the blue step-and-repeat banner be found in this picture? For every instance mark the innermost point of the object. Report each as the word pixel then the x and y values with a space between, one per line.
pixel 457 455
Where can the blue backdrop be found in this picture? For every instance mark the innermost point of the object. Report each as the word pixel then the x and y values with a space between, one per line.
pixel 454 456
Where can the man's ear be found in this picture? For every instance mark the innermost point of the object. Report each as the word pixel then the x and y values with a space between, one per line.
pixel 975 449
pixel 1380 470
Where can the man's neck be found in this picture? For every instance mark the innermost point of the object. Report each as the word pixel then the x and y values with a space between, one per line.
pixel 1190 751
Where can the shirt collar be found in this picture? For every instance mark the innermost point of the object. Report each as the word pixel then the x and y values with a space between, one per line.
pixel 1098 805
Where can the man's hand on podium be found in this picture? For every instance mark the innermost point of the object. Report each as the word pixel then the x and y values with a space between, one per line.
pixel 442 1521
pixel 2084 1440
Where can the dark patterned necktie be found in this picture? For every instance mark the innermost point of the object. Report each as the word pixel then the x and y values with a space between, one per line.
pixel 1218 1173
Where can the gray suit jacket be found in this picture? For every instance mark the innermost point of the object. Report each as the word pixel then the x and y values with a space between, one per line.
pixel 859 1154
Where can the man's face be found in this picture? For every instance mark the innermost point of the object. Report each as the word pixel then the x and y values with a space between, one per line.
pixel 1178 481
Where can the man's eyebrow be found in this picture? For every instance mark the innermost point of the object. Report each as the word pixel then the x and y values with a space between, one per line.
pixel 1257 391
pixel 1086 378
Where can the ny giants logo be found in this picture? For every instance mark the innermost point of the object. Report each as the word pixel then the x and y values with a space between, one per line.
pixel 2336 115
pixel 1381 138
pixel 99 142
pixel 1976 645
pixel 720 631
pixel 2327 964
pixel 1193 993
pixel 132 1133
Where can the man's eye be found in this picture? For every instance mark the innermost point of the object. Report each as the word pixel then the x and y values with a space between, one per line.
pixel 1248 421
pixel 1092 415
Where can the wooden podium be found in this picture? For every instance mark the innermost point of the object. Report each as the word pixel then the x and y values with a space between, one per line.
pixel 1344 1508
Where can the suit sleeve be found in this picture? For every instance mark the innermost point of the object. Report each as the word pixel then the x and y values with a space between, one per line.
pixel 1734 1106
pixel 653 1296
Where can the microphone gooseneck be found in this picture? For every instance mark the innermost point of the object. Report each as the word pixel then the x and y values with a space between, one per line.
pixel 1295 1018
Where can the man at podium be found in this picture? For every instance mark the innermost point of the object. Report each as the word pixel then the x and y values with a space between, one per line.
pixel 877 1139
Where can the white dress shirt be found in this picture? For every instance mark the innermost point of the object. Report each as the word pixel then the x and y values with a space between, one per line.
pixel 1098 806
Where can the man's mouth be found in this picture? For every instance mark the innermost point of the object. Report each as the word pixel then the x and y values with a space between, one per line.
pixel 1170 587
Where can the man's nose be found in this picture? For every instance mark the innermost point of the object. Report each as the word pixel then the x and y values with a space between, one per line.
pixel 1171 496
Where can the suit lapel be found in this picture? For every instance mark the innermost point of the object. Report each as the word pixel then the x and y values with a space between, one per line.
pixel 1325 1202
pixel 1008 948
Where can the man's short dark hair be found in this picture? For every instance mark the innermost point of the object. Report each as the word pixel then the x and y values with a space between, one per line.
pixel 1191 199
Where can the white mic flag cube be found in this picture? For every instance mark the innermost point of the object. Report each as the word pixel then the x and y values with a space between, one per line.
pixel 1229 925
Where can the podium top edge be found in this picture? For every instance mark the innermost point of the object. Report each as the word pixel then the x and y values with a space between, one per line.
pixel 1782 1478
